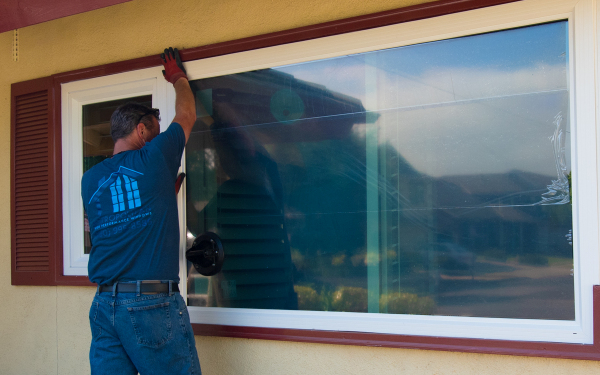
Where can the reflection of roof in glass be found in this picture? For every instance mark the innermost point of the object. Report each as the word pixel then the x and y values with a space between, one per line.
pixel 280 108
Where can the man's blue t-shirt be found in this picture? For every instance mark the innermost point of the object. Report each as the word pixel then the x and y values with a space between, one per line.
pixel 131 205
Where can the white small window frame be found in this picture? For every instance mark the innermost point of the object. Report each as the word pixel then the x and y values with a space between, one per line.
pixel 74 96
pixel 581 16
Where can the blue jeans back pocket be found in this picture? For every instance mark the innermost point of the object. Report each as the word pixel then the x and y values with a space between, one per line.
pixel 152 324
pixel 95 327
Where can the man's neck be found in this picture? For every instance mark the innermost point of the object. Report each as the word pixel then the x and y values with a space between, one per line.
pixel 126 144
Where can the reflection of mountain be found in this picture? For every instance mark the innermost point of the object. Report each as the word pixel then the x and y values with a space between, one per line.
pixel 498 212
pixel 499 189
pixel 439 231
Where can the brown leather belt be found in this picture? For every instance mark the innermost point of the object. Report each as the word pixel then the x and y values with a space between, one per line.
pixel 146 286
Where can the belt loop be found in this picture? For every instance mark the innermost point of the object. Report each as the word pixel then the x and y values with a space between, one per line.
pixel 115 288
pixel 139 287
pixel 98 289
pixel 170 288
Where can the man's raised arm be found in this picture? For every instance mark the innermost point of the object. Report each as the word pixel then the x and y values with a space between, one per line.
pixel 185 105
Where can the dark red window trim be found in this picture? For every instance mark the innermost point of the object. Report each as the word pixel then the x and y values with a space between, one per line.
pixel 413 13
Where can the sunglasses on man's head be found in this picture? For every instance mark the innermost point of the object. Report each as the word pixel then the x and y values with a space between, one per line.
pixel 152 111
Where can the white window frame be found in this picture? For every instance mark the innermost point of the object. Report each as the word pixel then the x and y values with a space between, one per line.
pixel 581 16
pixel 74 96
pixel 583 37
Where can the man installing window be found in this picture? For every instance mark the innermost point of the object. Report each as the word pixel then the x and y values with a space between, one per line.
pixel 139 320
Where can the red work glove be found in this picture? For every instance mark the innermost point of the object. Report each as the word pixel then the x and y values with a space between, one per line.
pixel 173 66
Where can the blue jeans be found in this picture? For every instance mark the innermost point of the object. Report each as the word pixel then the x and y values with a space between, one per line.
pixel 149 334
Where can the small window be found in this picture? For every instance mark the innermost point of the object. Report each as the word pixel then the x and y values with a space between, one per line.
pixel 87 107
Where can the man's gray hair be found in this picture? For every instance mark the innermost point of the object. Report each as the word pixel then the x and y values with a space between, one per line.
pixel 125 119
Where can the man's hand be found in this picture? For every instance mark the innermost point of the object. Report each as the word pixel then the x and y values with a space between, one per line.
pixel 173 67
pixel 185 103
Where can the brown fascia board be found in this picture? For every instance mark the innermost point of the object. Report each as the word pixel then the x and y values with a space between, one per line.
pixel 15 14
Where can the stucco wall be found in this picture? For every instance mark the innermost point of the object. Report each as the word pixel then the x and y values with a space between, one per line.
pixel 44 330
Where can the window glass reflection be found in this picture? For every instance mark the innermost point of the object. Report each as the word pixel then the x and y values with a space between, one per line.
pixel 429 179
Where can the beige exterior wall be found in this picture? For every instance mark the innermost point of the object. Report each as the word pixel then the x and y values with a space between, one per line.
pixel 44 330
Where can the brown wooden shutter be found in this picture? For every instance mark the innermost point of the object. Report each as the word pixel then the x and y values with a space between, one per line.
pixel 32 183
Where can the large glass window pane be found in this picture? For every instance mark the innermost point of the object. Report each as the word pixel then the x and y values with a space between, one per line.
pixel 430 179
pixel 97 142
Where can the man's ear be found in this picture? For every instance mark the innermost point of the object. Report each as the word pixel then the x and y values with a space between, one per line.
pixel 141 129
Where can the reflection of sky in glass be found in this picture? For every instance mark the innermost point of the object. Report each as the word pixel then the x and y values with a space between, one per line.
pixel 489 99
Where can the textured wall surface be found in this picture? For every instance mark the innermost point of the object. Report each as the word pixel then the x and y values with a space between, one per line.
pixel 44 330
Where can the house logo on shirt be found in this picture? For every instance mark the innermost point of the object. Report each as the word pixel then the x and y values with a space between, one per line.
pixel 124 190
pixel 125 193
